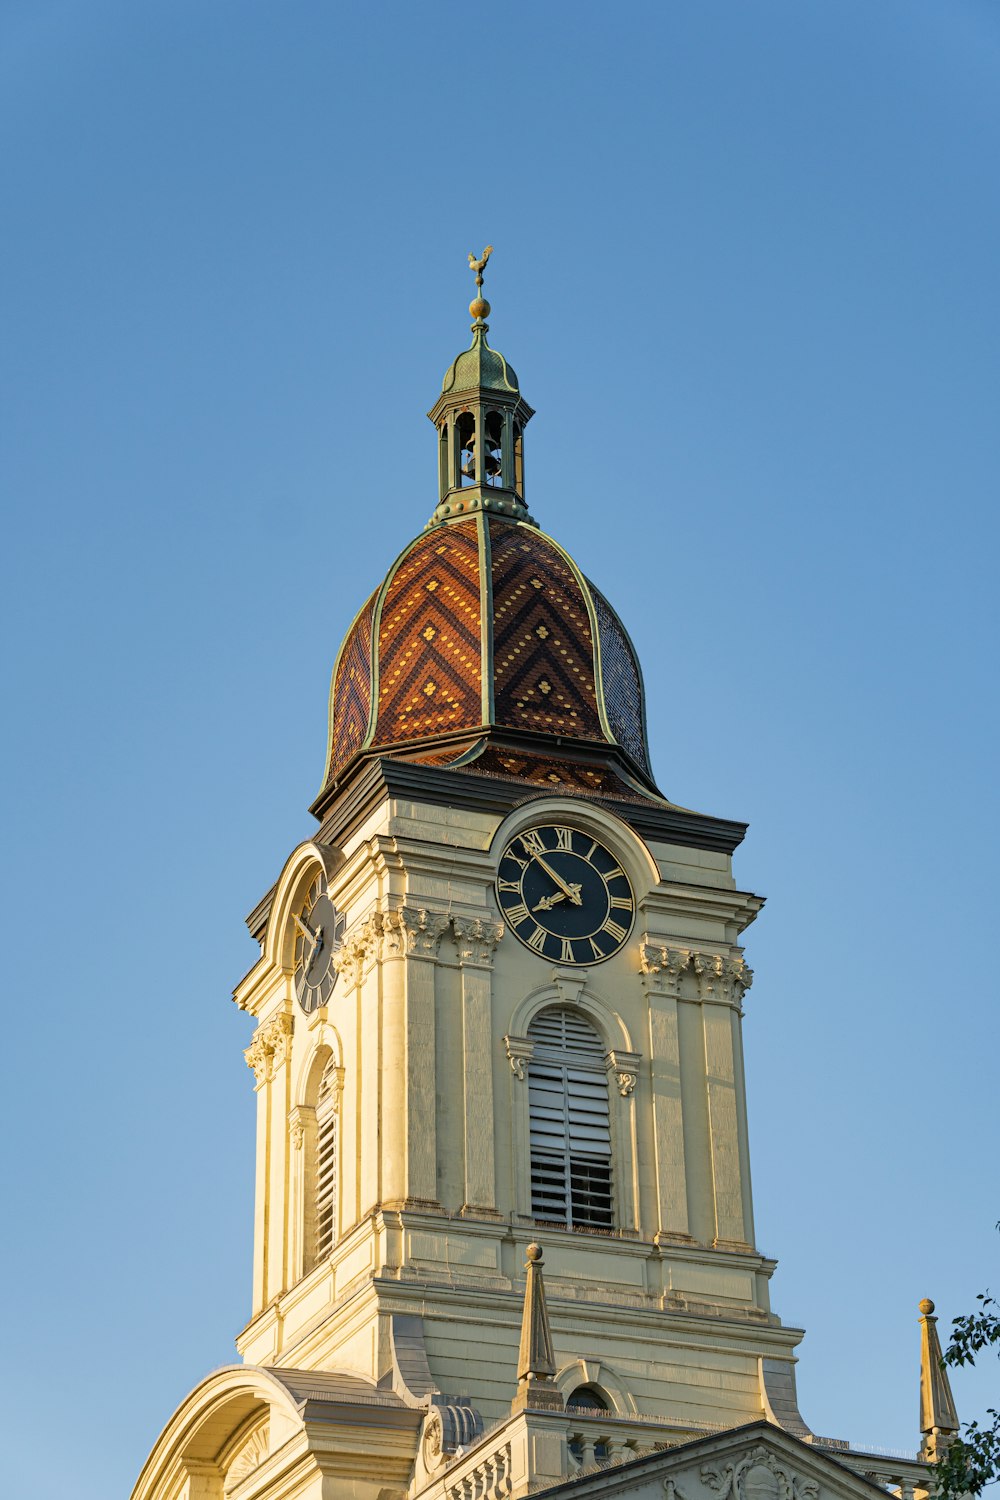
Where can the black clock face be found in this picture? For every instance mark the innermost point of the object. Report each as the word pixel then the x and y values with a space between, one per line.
pixel 565 896
pixel 319 932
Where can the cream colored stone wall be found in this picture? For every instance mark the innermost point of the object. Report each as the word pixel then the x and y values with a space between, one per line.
pixel 427 1027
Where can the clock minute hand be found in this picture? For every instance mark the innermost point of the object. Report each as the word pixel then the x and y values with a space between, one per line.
pixel 314 937
pixel 572 892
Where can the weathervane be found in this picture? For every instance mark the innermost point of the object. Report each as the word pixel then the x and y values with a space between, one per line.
pixel 479 307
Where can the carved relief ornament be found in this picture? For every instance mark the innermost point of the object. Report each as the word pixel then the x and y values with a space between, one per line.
pixel 757 1475
pixel 719 977
pixel 270 1047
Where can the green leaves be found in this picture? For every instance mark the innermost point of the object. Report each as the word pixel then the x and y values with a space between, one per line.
pixel 973 1460
pixel 974 1332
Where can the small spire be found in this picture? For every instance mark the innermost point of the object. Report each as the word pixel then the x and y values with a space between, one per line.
pixel 479 307
pixel 938 1418
pixel 535 1361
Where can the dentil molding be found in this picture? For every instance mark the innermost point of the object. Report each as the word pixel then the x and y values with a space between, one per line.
pixel 270 1047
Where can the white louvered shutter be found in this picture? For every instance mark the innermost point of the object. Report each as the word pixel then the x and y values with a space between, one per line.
pixel 570 1122
pixel 326 1163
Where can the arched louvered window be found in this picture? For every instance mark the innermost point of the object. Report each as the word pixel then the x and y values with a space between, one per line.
pixel 326 1162
pixel 570 1122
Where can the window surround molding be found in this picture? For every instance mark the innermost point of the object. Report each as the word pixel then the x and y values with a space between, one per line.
pixel 303 1138
pixel 568 988
pixel 595 1372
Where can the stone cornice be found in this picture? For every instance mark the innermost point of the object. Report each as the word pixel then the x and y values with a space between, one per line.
pixel 270 1047
pixel 381 777
pixel 720 978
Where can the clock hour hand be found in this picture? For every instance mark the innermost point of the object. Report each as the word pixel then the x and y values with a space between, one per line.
pixel 548 902
pixel 572 892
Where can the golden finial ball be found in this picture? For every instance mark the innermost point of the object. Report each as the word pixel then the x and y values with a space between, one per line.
pixel 479 307
pixel 534 1252
pixel 926 1306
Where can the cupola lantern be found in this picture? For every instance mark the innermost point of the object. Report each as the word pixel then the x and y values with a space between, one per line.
pixel 480 418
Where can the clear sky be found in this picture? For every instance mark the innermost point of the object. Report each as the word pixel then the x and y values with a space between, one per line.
pixel 746 268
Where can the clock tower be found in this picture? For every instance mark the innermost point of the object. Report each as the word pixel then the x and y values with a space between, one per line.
pixel 499 1000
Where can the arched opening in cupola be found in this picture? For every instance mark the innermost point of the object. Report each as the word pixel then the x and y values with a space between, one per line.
pixel 465 441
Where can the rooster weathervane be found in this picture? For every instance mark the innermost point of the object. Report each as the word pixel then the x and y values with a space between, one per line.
pixel 479 266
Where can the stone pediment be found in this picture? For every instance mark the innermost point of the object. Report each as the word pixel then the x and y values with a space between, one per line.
pixel 755 1462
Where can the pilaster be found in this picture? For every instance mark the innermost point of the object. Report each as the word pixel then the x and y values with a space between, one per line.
pixel 410 940
pixel 476 939
pixel 716 982
pixel 267 1055
pixel 360 1158
pixel 661 967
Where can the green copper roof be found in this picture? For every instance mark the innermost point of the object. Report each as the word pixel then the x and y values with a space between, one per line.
pixel 480 367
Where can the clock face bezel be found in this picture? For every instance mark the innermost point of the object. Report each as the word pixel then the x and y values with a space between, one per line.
pixel 315 976
pixel 564 894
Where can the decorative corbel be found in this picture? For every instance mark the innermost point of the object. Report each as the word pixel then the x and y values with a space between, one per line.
pixel 519 1053
pixel 300 1119
pixel 625 1067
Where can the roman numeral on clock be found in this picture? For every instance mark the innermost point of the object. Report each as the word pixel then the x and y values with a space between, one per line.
pixel 564 839
pixel 518 913
pixel 537 940
pixel 532 841
pixel 618 903
pixel 614 929
pixel 510 885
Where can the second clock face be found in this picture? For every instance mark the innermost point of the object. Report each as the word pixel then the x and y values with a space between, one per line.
pixel 565 895
pixel 319 930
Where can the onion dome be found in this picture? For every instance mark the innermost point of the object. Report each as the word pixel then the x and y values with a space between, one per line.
pixel 485 648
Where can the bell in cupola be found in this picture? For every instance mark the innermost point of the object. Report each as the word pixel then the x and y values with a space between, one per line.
pixel 492 463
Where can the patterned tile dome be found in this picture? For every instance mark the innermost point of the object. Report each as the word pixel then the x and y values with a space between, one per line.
pixel 485 634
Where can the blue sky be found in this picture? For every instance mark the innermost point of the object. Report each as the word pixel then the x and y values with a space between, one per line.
pixel 745 267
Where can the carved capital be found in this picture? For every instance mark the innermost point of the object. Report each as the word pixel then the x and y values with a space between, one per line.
pixel 359 948
pixel 663 966
pixel 476 938
pixel 414 931
pixel 721 979
pixel 739 976
pixel 708 969
pixel 270 1047
pixel 624 1068
pixel 519 1052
